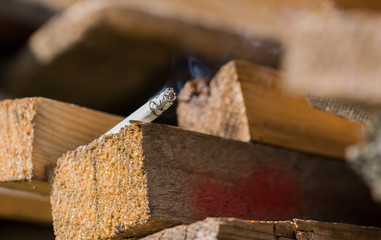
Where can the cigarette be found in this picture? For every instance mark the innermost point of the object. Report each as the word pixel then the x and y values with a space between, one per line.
pixel 150 110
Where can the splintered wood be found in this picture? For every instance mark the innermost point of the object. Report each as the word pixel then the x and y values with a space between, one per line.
pixel 334 55
pixel 245 102
pixel 36 131
pixel 230 228
pixel 149 177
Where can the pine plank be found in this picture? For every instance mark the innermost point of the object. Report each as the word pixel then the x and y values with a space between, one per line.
pixel 245 101
pixel 149 177
pixel 36 131
pixel 24 206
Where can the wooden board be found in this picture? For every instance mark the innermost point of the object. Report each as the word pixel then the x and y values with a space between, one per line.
pixel 317 59
pixel 150 177
pixel 245 102
pixel 228 228
pixel 24 206
pixel 36 131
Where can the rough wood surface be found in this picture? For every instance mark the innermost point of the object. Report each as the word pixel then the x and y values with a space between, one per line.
pixel 355 112
pixel 36 131
pixel 314 230
pixel 24 206
pixel 245 102
pixel 317 59
pixel 152 176
pixel 221 228
pixel 228 228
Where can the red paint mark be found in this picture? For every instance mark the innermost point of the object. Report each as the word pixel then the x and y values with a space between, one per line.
pixel 267 194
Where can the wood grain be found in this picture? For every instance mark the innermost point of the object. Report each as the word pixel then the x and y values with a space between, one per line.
pixel 228 228
pixel 220 228
pixel 36 131
pixel 309 230
pixel 152 176
pixel 24 206
pixel 245 102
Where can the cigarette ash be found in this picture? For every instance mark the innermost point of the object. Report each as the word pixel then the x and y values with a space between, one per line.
pixel 163 101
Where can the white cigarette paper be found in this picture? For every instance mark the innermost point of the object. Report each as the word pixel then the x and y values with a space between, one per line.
pixel 150 110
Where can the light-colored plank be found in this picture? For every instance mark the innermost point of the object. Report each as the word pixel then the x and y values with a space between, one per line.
pixel 225 228
pixel 334 55
pixel 219 228
pixel 24 206
pixel 36 131
pixel 149 177
pixel 245 102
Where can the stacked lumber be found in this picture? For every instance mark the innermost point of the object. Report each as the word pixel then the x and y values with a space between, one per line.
pixel 245 101
pixel 36 131
pixel 126 40
pixel 149 177
pixel 229 228
pixel 246 149
pixel 335 57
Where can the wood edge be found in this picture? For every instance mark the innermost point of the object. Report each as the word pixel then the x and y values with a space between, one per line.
pixel 25 206
pixel 34 186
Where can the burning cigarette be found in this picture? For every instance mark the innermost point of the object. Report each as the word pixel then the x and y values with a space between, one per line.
pixel 150 110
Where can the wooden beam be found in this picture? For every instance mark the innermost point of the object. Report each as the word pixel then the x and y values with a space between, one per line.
pixel 317 59
pixel 229 228
pixel 24 206
pixel 36 131
pixel 150 177
pixel 245 102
